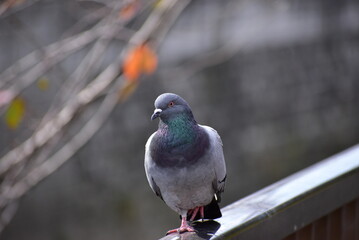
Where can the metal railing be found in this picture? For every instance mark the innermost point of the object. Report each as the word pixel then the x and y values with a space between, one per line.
pixel 319 202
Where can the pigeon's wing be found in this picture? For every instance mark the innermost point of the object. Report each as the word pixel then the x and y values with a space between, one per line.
pixel 148 164
pixel 217 158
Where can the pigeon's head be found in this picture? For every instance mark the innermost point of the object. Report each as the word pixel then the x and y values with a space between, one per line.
pixel 169 106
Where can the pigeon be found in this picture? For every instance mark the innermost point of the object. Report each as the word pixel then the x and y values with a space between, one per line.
pixel 184 162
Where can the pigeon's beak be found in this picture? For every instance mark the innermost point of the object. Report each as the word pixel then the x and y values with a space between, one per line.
pixel 156 113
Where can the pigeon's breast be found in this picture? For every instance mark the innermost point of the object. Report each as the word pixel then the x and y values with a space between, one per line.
pixel 167 151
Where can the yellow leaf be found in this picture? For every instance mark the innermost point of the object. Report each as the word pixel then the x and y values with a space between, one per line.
pixel 15 113
pixel 158 3
pixel 43 83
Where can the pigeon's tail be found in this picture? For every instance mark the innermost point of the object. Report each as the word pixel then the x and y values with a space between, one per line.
pixel 211 211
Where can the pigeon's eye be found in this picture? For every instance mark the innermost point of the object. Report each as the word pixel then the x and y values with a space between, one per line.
pixel 171 104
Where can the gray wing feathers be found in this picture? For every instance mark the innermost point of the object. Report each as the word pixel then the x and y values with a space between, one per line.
pixel 155 188
pixel 217 159
pixel 148 162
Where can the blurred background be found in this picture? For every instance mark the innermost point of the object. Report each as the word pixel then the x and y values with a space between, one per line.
pixel 279 81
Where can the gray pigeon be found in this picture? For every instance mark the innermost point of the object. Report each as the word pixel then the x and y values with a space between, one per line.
pixel 184 162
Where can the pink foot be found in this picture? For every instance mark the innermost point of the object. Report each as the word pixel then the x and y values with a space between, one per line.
pixel 183 228
pixel 194 212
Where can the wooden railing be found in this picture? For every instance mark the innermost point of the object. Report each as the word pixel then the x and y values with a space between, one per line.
pixel 318 203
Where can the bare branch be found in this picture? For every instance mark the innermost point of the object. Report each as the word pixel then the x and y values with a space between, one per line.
pixel 67 151
pixel 52 127
pixel 86 20
pixel 18 173
pixel 84 97
pixel 11 4
pixel 7 214
pixel 77 80
pixel 53 53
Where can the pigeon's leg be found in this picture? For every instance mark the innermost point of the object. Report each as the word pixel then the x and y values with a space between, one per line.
pixel 202 212
pixel 183 228
pixel 194 212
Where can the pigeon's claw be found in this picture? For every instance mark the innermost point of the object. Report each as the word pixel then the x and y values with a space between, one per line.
pixel 183 228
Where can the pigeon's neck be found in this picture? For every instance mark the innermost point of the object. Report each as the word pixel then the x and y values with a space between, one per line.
pixel 180 142
pixel 180 129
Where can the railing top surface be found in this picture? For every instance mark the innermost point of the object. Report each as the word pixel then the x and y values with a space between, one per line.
pixel 261 205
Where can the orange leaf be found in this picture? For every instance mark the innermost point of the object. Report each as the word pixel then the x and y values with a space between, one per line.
pixel 149 60
pixel 15 113
pixel 129 10
pixel 43 83
pixel 131 65
pixel 18 2
pixel 140 59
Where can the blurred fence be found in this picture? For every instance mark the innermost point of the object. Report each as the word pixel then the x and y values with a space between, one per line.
pixel 320 202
